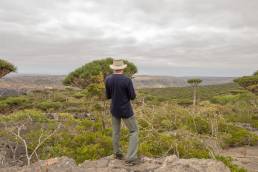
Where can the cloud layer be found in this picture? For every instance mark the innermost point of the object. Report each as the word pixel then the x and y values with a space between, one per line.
pixel 164 37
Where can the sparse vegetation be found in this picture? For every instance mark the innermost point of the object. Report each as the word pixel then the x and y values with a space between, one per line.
pixel 166 121
pixel 230 164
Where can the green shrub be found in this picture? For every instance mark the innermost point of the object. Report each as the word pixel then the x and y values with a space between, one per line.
pixel 49 105
pixel 239 91
pixel 82 146
pixel 182 93
pixel 228 162
pixel 237 136
pixel 185 102
pixel 79 95
pixel 199 124
pixel 224 99
pixel 162 144
pixel 190 147
pixel 10 103
pixel 158 145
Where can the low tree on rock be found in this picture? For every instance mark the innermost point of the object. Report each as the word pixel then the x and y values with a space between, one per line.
pixel 194 83
pixel 249 82
pixel 6 67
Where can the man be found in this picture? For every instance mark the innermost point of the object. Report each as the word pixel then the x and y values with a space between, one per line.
pixel 120 89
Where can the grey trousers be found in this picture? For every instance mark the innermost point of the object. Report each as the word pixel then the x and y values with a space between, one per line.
pixel 133 140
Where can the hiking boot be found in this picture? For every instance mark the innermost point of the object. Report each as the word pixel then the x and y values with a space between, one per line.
pixel 134 162
pixel 119 156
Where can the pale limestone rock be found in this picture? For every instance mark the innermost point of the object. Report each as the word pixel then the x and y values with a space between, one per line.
pixel 108 164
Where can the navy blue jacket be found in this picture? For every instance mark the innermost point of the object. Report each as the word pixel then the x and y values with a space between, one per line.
pixel 120 89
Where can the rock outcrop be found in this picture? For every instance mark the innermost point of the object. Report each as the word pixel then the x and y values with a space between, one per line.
pixel 108 164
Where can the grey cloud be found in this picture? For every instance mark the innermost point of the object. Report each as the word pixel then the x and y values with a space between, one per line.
pixel 176 35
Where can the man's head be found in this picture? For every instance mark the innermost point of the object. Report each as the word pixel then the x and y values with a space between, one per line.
pixel 118 66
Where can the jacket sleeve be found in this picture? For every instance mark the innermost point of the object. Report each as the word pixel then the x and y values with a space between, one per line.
pixel 131 91
pixel 108 91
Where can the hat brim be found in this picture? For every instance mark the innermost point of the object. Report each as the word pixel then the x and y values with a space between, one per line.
pixel 118 67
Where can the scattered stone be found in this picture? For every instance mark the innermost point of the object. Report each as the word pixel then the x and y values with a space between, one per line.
pixel 81 115
pixel 54 116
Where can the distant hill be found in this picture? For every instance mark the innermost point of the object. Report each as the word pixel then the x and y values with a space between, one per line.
pixel 28 81
pixel 16 83
pixel 147 81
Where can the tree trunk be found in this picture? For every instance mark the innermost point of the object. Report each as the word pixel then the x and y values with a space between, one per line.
pixel 194 95
pixel 4 72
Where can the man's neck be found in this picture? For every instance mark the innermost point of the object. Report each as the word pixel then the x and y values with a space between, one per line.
pixel 118 72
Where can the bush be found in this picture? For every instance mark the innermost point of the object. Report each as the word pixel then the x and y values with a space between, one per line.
pixel 79 95
pixel 191 147
pixel 239 91
pixel 10 103
pixel 225 99
pixel 228 162
pixel 29 128
pixel 185 102
pixel 199 124
pixel 49 105
pixel 158 145
pixel 236 136
pixel 81 142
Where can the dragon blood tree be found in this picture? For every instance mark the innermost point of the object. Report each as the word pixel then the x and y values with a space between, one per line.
pixel 91 77
pixel 194 83
pixel 6 67
pixel 249 82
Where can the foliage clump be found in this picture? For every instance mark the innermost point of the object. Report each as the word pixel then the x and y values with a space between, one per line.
pixel 228 161
pixel 89 73
pixel 224 99
pixel 6 67
pixel 236 136
pixel 10 104
pixel 249 82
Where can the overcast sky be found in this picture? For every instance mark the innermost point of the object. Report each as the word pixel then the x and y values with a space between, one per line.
pixel 162 37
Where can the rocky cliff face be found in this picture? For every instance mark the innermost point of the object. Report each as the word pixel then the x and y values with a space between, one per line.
pixel 108 164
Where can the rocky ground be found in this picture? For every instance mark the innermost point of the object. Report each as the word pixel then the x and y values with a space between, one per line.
pixel 108 164
pixel 246 156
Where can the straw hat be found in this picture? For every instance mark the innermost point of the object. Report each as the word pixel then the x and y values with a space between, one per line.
pixel 118 65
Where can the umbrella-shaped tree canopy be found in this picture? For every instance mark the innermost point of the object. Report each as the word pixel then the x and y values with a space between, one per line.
pixel 92 72
pixel 6 67
pixel 249 82
pixel 194 81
